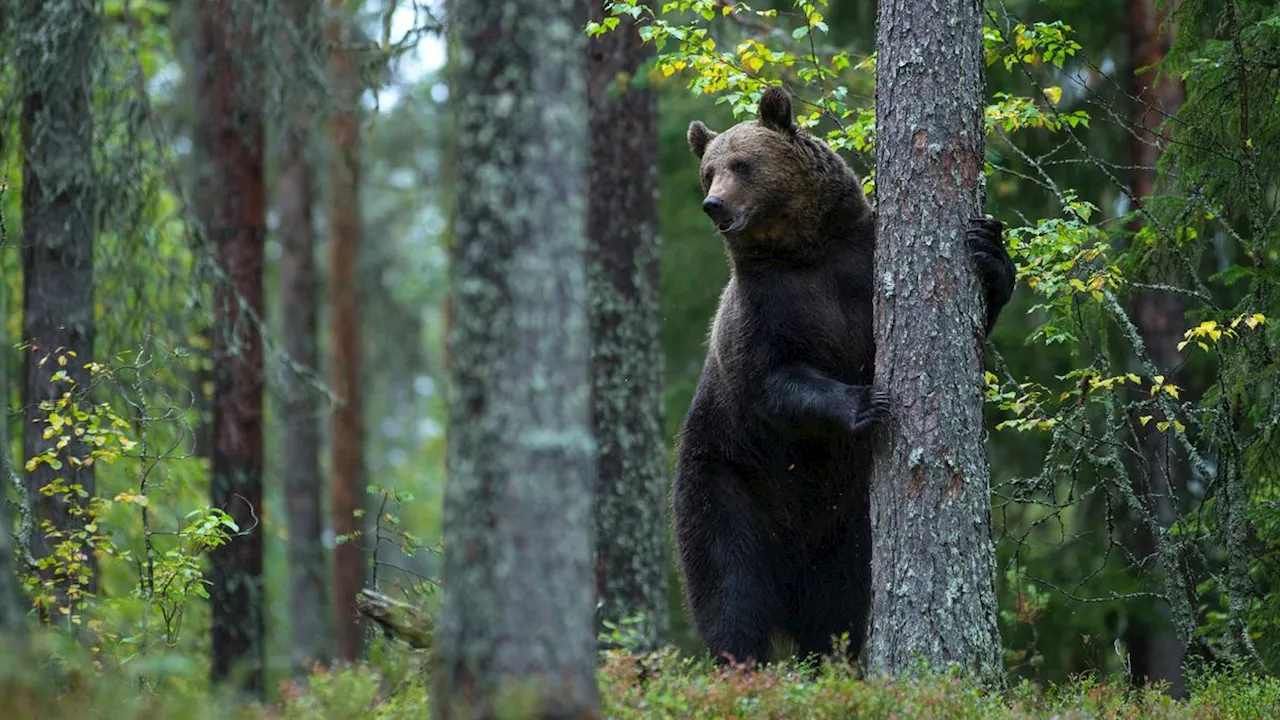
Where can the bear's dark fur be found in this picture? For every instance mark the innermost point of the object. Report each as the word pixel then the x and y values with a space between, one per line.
pixel 770 496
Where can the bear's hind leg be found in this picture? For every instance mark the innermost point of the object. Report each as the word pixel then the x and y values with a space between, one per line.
pixel 834 597
pixel 726 564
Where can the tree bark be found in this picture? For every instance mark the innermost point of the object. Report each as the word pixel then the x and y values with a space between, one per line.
pixel 411 623
pixel 304 483
pixel 346 431
pixel 1155 648
pixel 516 623
pixel 13 620
pixel 185 37
pixel 626 353
pixel 54 53
pixel 229 97
pixel 933 567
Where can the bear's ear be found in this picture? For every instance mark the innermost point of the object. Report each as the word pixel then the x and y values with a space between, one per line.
pixel 775 110
pixel 699 137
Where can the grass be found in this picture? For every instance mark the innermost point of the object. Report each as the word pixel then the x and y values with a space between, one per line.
pixel 658 685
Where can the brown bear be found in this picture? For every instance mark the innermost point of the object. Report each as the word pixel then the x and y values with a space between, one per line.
pixel 770 499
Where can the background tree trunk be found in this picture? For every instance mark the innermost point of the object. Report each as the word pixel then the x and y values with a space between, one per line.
pixel 517 612
pixel 346 432
pixel 303 480
pixel 1156 652
pixel 13 620
pixel 184 22
pixel 229 98
pixel 55 51
pixel 933 560
pixel 626 352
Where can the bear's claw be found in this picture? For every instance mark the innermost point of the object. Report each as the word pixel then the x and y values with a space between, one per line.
pixel 870 408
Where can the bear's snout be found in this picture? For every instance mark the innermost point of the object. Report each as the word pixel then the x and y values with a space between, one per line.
pixel 714 208
pixel 725 220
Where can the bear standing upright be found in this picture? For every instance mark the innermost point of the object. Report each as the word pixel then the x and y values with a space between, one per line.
pixel 770 498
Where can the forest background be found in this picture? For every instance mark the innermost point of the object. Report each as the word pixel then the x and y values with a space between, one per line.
pixel 1132 152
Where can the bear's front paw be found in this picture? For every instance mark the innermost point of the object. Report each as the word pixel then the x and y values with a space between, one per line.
pixel 870 408
pixel 986 236
pixel 996 271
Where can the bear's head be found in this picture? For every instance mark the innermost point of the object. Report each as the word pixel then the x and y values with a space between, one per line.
pixel 765 179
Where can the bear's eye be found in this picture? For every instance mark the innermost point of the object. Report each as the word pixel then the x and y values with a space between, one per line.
pixel 708 175
pixel 740 167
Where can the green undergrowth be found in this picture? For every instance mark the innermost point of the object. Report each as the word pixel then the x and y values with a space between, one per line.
pixel 634 688
pixel 660 685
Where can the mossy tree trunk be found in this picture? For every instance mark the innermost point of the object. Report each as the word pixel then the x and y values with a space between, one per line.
pixel 229 98
pixel 305 485
pixel 346 427
pixel 933 569
pixel 54 52
pixel 13 621
pixel 626 353
pixel 516 621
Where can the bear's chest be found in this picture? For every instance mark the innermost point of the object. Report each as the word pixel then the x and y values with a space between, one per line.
pixel 824 321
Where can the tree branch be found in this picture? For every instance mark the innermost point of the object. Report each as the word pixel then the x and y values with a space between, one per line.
pixel 400 619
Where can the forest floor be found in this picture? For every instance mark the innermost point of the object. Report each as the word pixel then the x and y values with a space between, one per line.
pixel 662 685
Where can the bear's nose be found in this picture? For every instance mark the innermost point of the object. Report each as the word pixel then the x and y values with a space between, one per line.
pixel 713 206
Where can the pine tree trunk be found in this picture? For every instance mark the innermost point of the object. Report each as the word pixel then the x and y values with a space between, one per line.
pixel 230 101
pixel 626 353
pixel 1156 649
pixel 516 621
pixel 54 53
pixel 933 567
pixel 13 621
pixel 346 431
pixel 304 483
pixel 184 32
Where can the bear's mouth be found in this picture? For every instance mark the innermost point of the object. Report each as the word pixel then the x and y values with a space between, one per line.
pixel 732 225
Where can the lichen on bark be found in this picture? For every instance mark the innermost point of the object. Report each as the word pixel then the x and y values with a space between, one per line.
pixel 54 46
pixel 13 617
pixel 516 619
pixel 933 570
pixel 626 351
